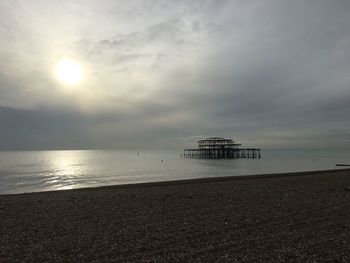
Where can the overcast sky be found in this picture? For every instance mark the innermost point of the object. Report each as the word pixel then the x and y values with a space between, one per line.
pixel 162 74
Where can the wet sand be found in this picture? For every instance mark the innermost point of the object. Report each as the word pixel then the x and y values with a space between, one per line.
pixel 301 217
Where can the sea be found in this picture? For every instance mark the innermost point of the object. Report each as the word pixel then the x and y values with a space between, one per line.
pixel 36 171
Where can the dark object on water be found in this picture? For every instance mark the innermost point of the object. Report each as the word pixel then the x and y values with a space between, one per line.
pixel 341 164
pixel 220 148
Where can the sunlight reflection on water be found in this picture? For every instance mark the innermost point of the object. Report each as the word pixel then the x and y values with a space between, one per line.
pixel 29 171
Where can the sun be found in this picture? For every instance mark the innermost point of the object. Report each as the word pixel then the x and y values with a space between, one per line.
pixel 69 71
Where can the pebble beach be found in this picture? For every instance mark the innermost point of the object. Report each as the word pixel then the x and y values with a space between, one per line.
pixel 296 217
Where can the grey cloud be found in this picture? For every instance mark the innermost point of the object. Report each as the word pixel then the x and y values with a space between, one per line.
pixel 273 73
pixel 154 44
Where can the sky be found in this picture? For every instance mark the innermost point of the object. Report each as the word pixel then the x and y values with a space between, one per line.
pixel 163 74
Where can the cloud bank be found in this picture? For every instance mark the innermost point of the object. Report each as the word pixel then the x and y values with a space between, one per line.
pixel 161 74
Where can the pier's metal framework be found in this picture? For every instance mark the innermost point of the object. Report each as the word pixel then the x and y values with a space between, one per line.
pixel 220 148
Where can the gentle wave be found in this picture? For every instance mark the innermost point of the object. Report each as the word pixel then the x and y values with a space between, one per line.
pixel 31 171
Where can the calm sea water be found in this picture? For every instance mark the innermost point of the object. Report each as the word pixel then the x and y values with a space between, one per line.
pixel 32 171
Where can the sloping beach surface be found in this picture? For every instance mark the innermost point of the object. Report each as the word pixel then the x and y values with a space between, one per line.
pixel 301 217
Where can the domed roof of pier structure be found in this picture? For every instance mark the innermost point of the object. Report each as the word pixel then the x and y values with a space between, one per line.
pixel 216 142
pixel 215 139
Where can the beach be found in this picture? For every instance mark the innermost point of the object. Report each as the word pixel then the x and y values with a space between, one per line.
pixel 296 217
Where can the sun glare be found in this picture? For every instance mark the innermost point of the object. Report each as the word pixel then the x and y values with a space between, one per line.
pixel 69 71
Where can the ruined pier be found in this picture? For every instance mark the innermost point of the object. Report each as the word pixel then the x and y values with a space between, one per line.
pixel 220 148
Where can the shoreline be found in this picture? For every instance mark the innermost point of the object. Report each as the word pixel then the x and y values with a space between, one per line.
pixel 294 217
pixel 191 181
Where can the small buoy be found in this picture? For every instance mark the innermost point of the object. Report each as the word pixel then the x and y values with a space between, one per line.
pixel 161 160
pixel 138 153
